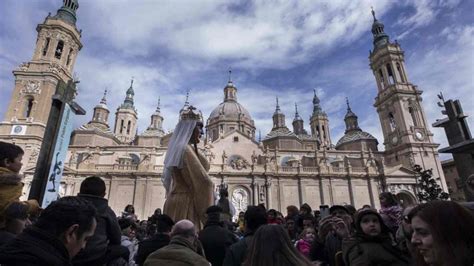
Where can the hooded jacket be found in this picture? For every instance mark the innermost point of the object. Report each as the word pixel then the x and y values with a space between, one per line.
pixel 34 247
pixel 216 240
pixel 107 232
pixel 362 249
pixel 10 189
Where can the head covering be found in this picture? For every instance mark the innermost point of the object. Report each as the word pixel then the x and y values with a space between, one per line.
pixel 178 142
pixel 16 210
pixel 124 223
pixel 363 212
pixel 306 206
pixel 338 207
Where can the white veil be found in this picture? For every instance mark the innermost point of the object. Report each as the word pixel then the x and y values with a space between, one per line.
pixel 174 154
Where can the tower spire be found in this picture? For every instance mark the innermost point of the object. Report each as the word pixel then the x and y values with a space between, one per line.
pixel 230 75
pixel 186 102
pixel 316 104
pixel 380 37
pixel 297 115
pixel 158 106
pixel 277 109
pixel 67 12
pixel 104 100
pixel 373 13
pixel 128 102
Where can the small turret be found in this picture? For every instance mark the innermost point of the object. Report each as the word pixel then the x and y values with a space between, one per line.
pixel 298 124
pixel 278 117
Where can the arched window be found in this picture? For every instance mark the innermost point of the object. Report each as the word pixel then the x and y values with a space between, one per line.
pixel 391 120
pixel 324 131
pixel 412 112
pixel 382 80
pixel 129 124
pixel 28 107
pixel 59 50
pixel 69 55
pixel 121 126
pixel 391 78
pixel 399 69
pixel 46 46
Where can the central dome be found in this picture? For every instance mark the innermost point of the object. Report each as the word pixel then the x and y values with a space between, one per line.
pixel 230 110
pixel 229 116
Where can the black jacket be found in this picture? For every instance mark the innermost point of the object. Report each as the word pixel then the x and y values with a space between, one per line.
pixel 34 247
pixel 5 237
pixel 216 240
pixel 106 233
pixel 150 245
pixel 236 253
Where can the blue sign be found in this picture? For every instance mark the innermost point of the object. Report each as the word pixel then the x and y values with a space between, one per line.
pixel 60 149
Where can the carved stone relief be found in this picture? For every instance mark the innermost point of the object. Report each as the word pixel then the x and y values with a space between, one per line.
pixel 31 87
pixel 238 163
pixel 33 156
pixel 240 199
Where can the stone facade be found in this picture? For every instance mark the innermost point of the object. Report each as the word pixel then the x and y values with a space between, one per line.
pixel 285 168
pixel 453 181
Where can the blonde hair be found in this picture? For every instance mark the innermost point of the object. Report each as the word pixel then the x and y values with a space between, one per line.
pixel 305 231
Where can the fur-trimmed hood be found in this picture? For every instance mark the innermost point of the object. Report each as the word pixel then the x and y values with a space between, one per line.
pixel 8 177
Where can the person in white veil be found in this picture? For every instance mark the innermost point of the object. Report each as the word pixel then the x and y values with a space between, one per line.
pixel 189 190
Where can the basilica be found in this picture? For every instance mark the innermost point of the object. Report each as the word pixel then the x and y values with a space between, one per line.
pixel 288 166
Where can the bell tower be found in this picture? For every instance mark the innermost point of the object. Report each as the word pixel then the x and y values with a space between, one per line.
pixel 407 138
pixel 126 118
pixel 57 45
pixel 319 123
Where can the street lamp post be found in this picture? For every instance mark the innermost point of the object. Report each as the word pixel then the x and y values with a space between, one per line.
pixel 50 164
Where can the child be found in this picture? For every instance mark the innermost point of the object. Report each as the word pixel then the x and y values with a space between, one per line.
pixel 371 244
pixel 10 180
pixel 128 238
pixel 304 244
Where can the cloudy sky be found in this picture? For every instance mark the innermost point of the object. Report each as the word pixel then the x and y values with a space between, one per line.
pixel 275 48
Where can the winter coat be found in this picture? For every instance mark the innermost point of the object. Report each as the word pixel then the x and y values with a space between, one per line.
pixel 216 240
pixel 106 233
pixel 318 252
pixel 372 251
pixel 34 247
pixel 180 252
pixel 10 189
pixel 132 248
pixel 148 246
pixel 303 247
pixel 235 255
pixel 6 237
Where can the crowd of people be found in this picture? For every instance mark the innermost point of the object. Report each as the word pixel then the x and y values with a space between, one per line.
pixel 84 230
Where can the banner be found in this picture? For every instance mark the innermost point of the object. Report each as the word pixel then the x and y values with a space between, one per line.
pixel 60 150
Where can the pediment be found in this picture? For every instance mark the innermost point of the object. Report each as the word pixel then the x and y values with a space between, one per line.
pixel 399 170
